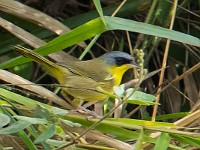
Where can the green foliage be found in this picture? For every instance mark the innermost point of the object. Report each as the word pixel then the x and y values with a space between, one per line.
pixel 4 120
pixel 163 141
pixel 40 122
pixel 15 127
pixel 46 134
pixel 96 27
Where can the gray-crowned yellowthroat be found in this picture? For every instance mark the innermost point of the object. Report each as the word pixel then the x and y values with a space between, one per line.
pixel 81 78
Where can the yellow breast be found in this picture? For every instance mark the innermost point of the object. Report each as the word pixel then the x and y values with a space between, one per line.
pixel 118 72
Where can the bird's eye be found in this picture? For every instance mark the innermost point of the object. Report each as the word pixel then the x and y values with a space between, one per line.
pixel 121 61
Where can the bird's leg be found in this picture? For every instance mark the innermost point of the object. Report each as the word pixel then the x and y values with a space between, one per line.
pixel 77 103
pixel 90 114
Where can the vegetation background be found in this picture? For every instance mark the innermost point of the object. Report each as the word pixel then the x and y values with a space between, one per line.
pixel 33 117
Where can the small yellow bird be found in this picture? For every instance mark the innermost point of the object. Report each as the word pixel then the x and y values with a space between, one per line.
pixel 81 78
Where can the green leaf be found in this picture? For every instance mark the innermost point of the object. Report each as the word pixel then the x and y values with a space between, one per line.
pixel 98 7
pixel 41 112
pixel 22 135
pixel 118 132
pixel 55 143
pixel 97 26
pixel 163 141
pixel 19 99
pixel 4 120
pixel 31 104
pixel 81 33
pixel 15 127
pixel 70 123
pixel 137 95
pixel 58 111
pixel 129 123
pixel 140 102
pixel 170 116
pixel 130 7
pixel 31 120
pixel 48 133
pixel 115 23
pixel 138 144
pixel 119 90
pixel 139 98
pixel 194 141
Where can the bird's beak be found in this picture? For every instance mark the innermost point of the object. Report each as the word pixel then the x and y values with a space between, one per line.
pixel 134 64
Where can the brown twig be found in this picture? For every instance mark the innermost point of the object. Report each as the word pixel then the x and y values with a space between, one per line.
pixel 164 62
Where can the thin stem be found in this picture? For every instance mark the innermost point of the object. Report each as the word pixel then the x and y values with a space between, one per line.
pixel 164 62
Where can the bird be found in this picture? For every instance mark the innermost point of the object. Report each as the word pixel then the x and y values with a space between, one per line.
pixel 81 79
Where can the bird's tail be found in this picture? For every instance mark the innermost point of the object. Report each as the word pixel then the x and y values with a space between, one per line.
pixel 53 68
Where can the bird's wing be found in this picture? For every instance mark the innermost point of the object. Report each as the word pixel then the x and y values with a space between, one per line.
pixel 85 88
pixel 89 69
